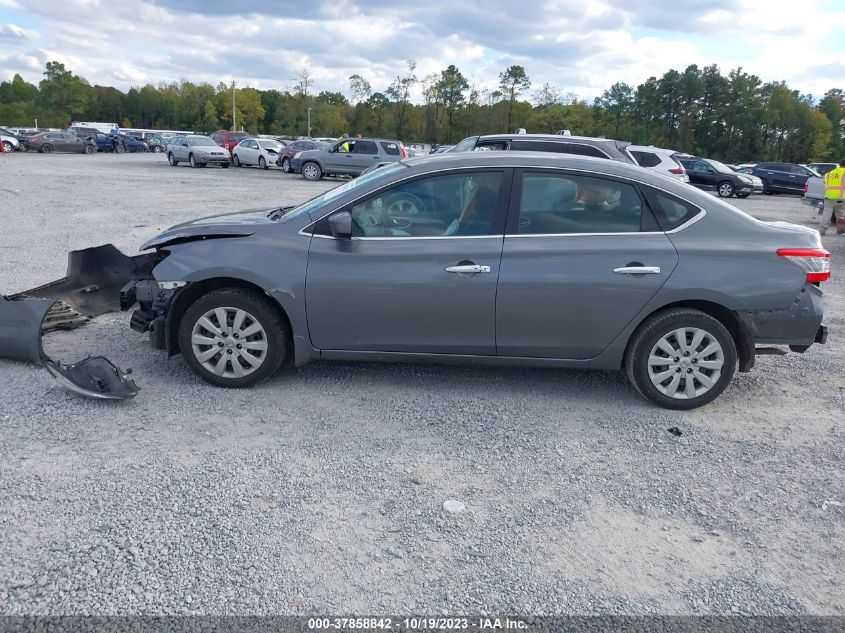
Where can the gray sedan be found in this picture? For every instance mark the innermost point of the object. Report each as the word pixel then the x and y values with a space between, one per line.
pixel 506 258
pixel 197 151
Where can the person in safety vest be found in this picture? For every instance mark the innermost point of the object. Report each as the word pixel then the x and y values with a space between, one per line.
pixel 834 199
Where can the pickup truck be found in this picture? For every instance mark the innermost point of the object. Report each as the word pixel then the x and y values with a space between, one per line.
pixel 814 193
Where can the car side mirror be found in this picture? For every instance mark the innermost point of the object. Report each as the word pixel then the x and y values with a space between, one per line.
pixel 340 225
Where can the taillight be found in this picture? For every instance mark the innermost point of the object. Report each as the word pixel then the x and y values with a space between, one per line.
pixel 806 184
pixel 814 261
pixel 402 149
pixel 678 171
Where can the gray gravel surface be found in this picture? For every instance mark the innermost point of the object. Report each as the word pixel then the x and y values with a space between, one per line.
pixel 324 489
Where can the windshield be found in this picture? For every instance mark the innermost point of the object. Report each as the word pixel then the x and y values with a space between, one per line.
pixel 237 136
pixel 720 167
pixel 201 142
pixel 269 144
pixel 315 203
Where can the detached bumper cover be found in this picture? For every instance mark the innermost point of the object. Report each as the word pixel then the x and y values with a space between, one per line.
pixel 91 287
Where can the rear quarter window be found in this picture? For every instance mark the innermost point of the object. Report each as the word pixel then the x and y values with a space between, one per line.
pixel 586 150
pixel 539 146
pixel 670 211
pixel 645 159
pixel 390 148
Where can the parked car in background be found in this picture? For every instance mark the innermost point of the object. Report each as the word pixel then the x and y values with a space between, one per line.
pixel 49 142
pixel 441 149
pixel 155 141
pixel 559 144
pixel 662 161
pixel 334 160
pixel 84 132
pixel 10 141
pixel 821 168
pixel 782 177
pixel 227 139
pixel 756 183
pixel 196 150
pixel 590 264
pixel 814 190
pixel 104 142
pixel 128 143
pixel 294 149
pixel 262 152
pixel 711 175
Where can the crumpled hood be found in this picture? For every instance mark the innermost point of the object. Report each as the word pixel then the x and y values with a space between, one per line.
pixel 237 224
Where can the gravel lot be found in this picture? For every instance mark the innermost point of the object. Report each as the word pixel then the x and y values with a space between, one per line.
pixel 323 490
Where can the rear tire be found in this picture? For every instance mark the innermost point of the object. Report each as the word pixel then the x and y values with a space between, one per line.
pixel 708 365
pixel 90 149
pixel 311 171
pixel 157 149
pixel 47 148
pixel 119 149
pixel 200 345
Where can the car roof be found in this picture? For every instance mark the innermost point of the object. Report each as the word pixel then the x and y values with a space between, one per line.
pixel 548 137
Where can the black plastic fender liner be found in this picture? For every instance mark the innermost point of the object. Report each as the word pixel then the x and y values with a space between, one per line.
pixel 20 328
pixel 95 377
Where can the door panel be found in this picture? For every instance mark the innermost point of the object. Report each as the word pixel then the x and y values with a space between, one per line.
pixel 420 273
pixel 558 297
pixel 566 288
pixel 395 295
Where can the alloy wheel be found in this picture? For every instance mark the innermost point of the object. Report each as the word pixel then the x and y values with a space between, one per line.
pixel 686 363
pixel 229 342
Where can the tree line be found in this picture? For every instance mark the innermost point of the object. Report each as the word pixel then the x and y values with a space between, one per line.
pixel 733 117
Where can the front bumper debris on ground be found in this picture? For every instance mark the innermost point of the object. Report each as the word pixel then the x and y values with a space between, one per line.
pixel 90 288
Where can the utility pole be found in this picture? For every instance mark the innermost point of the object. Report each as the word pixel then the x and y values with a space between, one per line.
pixel 309 122
pixel 234 111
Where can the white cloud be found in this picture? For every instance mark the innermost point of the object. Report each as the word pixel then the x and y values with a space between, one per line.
pixel 578 46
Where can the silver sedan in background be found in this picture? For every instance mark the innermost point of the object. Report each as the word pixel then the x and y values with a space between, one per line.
pixel 261 152
pixel 197 150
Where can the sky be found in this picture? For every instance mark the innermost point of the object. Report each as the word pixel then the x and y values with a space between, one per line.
pixel 578 46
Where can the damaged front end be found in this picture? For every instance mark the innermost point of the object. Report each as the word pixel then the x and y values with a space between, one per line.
pixel 91 287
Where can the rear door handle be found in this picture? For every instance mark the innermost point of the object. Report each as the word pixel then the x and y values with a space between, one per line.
pixel 638 270
pixel 468 268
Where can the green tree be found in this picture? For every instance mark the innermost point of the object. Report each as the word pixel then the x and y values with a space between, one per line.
pixel 400 91
pixel 513 82
pixel 617 102
pixel 62 94
pixel 209 122
pixel 451 88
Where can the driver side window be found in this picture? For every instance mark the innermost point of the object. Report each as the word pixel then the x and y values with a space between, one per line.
pixel 447 205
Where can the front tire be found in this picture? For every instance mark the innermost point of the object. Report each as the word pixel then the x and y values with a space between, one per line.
pixel 311 171
pixel 725 189
pixel 193 161
pixel 234 337
pixel 119 149
pixel 262 163
pixel 9 147
pixel 286 165
pixel 173 162
pixel 236 160
pixel 157 149
pixel 681 358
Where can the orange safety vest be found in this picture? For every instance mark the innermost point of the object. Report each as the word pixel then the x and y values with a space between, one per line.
pixel 834 184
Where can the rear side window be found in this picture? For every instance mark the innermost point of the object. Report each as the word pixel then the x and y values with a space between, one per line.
pixel 554 203
pixel 539 146
pixel 645 159
pixel 491 147
pixel 365 147
pixel 390 148
pixel 465 145
pixel 671 212
pixel 586 150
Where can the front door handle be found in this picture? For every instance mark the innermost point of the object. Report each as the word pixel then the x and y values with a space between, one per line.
pixel 638 270
pixel 468 269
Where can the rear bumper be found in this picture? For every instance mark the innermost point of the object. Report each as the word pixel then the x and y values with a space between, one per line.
pixel 816 203
pixel 798 326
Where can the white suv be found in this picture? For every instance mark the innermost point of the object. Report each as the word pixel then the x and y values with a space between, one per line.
pixel 660 160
